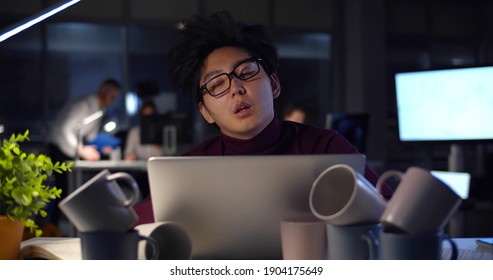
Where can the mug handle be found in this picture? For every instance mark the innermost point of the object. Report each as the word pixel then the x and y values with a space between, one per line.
pixel 373 244
pixel 453 246
pixel 154 246
pixel 385 176
pixel 131 182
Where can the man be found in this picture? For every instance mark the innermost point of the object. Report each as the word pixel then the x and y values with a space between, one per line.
pixel 230 69
pixel 64 139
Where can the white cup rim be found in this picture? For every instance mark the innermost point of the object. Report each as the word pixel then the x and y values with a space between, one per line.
pixel 348 203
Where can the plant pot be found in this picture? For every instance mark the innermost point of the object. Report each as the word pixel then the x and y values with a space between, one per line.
pixel 10 238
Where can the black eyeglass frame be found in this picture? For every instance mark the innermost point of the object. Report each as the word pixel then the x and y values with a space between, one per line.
pixel 231 75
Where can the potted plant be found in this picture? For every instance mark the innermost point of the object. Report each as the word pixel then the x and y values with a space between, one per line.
pixel 23 192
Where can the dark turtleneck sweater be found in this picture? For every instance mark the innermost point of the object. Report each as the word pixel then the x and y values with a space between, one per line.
pixel 278 138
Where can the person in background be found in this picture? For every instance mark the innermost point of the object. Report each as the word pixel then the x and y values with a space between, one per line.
pixel 63 142
pixel 230 68
pixel 63 138
pixel 294 112
pixel 134 150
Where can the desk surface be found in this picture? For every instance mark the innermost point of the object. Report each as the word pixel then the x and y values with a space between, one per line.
pixel 69 248
pixel 110 164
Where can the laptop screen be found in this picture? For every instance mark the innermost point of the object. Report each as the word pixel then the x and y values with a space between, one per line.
pixel 457 181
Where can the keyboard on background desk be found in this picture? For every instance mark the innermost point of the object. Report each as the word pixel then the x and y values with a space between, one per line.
pixel 467 250
pixel 468 254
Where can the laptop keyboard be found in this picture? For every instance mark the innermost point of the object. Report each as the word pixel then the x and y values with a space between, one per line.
pixel 468 254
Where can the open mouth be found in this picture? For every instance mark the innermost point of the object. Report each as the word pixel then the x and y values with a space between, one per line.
pixel 241 107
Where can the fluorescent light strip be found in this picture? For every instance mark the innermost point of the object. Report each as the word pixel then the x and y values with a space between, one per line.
pixel 18 27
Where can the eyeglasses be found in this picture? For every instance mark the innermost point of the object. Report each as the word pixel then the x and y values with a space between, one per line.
pixel 220 84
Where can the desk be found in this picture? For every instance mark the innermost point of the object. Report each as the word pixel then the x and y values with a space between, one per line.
pixel 69 248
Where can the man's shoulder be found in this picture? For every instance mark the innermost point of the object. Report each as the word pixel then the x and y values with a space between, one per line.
pixel 306 129
pixel 314 139
pixel 92 97
pixel 86 100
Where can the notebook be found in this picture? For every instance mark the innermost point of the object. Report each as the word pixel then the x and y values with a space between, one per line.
pixel 231 206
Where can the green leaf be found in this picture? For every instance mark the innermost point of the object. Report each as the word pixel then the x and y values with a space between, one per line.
pixel 23 193
pixel 29 223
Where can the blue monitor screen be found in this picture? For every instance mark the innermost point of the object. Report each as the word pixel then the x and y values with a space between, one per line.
pixel 445 105
pixel 353 127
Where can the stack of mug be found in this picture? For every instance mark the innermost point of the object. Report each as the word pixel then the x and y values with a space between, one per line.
pixel 361 224
pixel 102 211
pixel 414 218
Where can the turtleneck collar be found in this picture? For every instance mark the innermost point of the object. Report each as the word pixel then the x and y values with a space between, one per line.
pixel 263 143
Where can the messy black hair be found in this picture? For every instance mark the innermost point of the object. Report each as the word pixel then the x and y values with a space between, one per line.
pixel 203 35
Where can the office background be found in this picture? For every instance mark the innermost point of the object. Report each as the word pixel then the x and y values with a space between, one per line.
pixel 336 56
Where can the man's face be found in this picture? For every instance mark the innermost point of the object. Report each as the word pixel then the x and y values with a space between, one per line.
pixel 248 106
pixel 108 95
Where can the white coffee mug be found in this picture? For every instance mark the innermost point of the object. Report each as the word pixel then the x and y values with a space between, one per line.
pixel 421 204
pixel 303 238
pixel 101 205
pixel 341 196
pixel 172 240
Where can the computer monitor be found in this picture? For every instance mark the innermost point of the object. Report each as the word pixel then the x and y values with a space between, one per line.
pixel 445 105
pixel 171 130
pixel 353 127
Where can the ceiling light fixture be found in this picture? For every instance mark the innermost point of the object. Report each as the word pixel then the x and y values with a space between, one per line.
pixel 25 24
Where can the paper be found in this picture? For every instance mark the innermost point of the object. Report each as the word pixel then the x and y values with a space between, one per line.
pixel 51 248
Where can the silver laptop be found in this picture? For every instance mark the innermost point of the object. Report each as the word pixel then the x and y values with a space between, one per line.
pixel 231 206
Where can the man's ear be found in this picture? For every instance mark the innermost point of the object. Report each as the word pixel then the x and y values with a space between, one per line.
pixel 276 85
pixel 205 113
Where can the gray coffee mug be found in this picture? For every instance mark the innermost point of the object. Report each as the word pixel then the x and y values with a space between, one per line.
pixel 398 246
pixel 100 204
pixel 353 242
pixel 105 245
